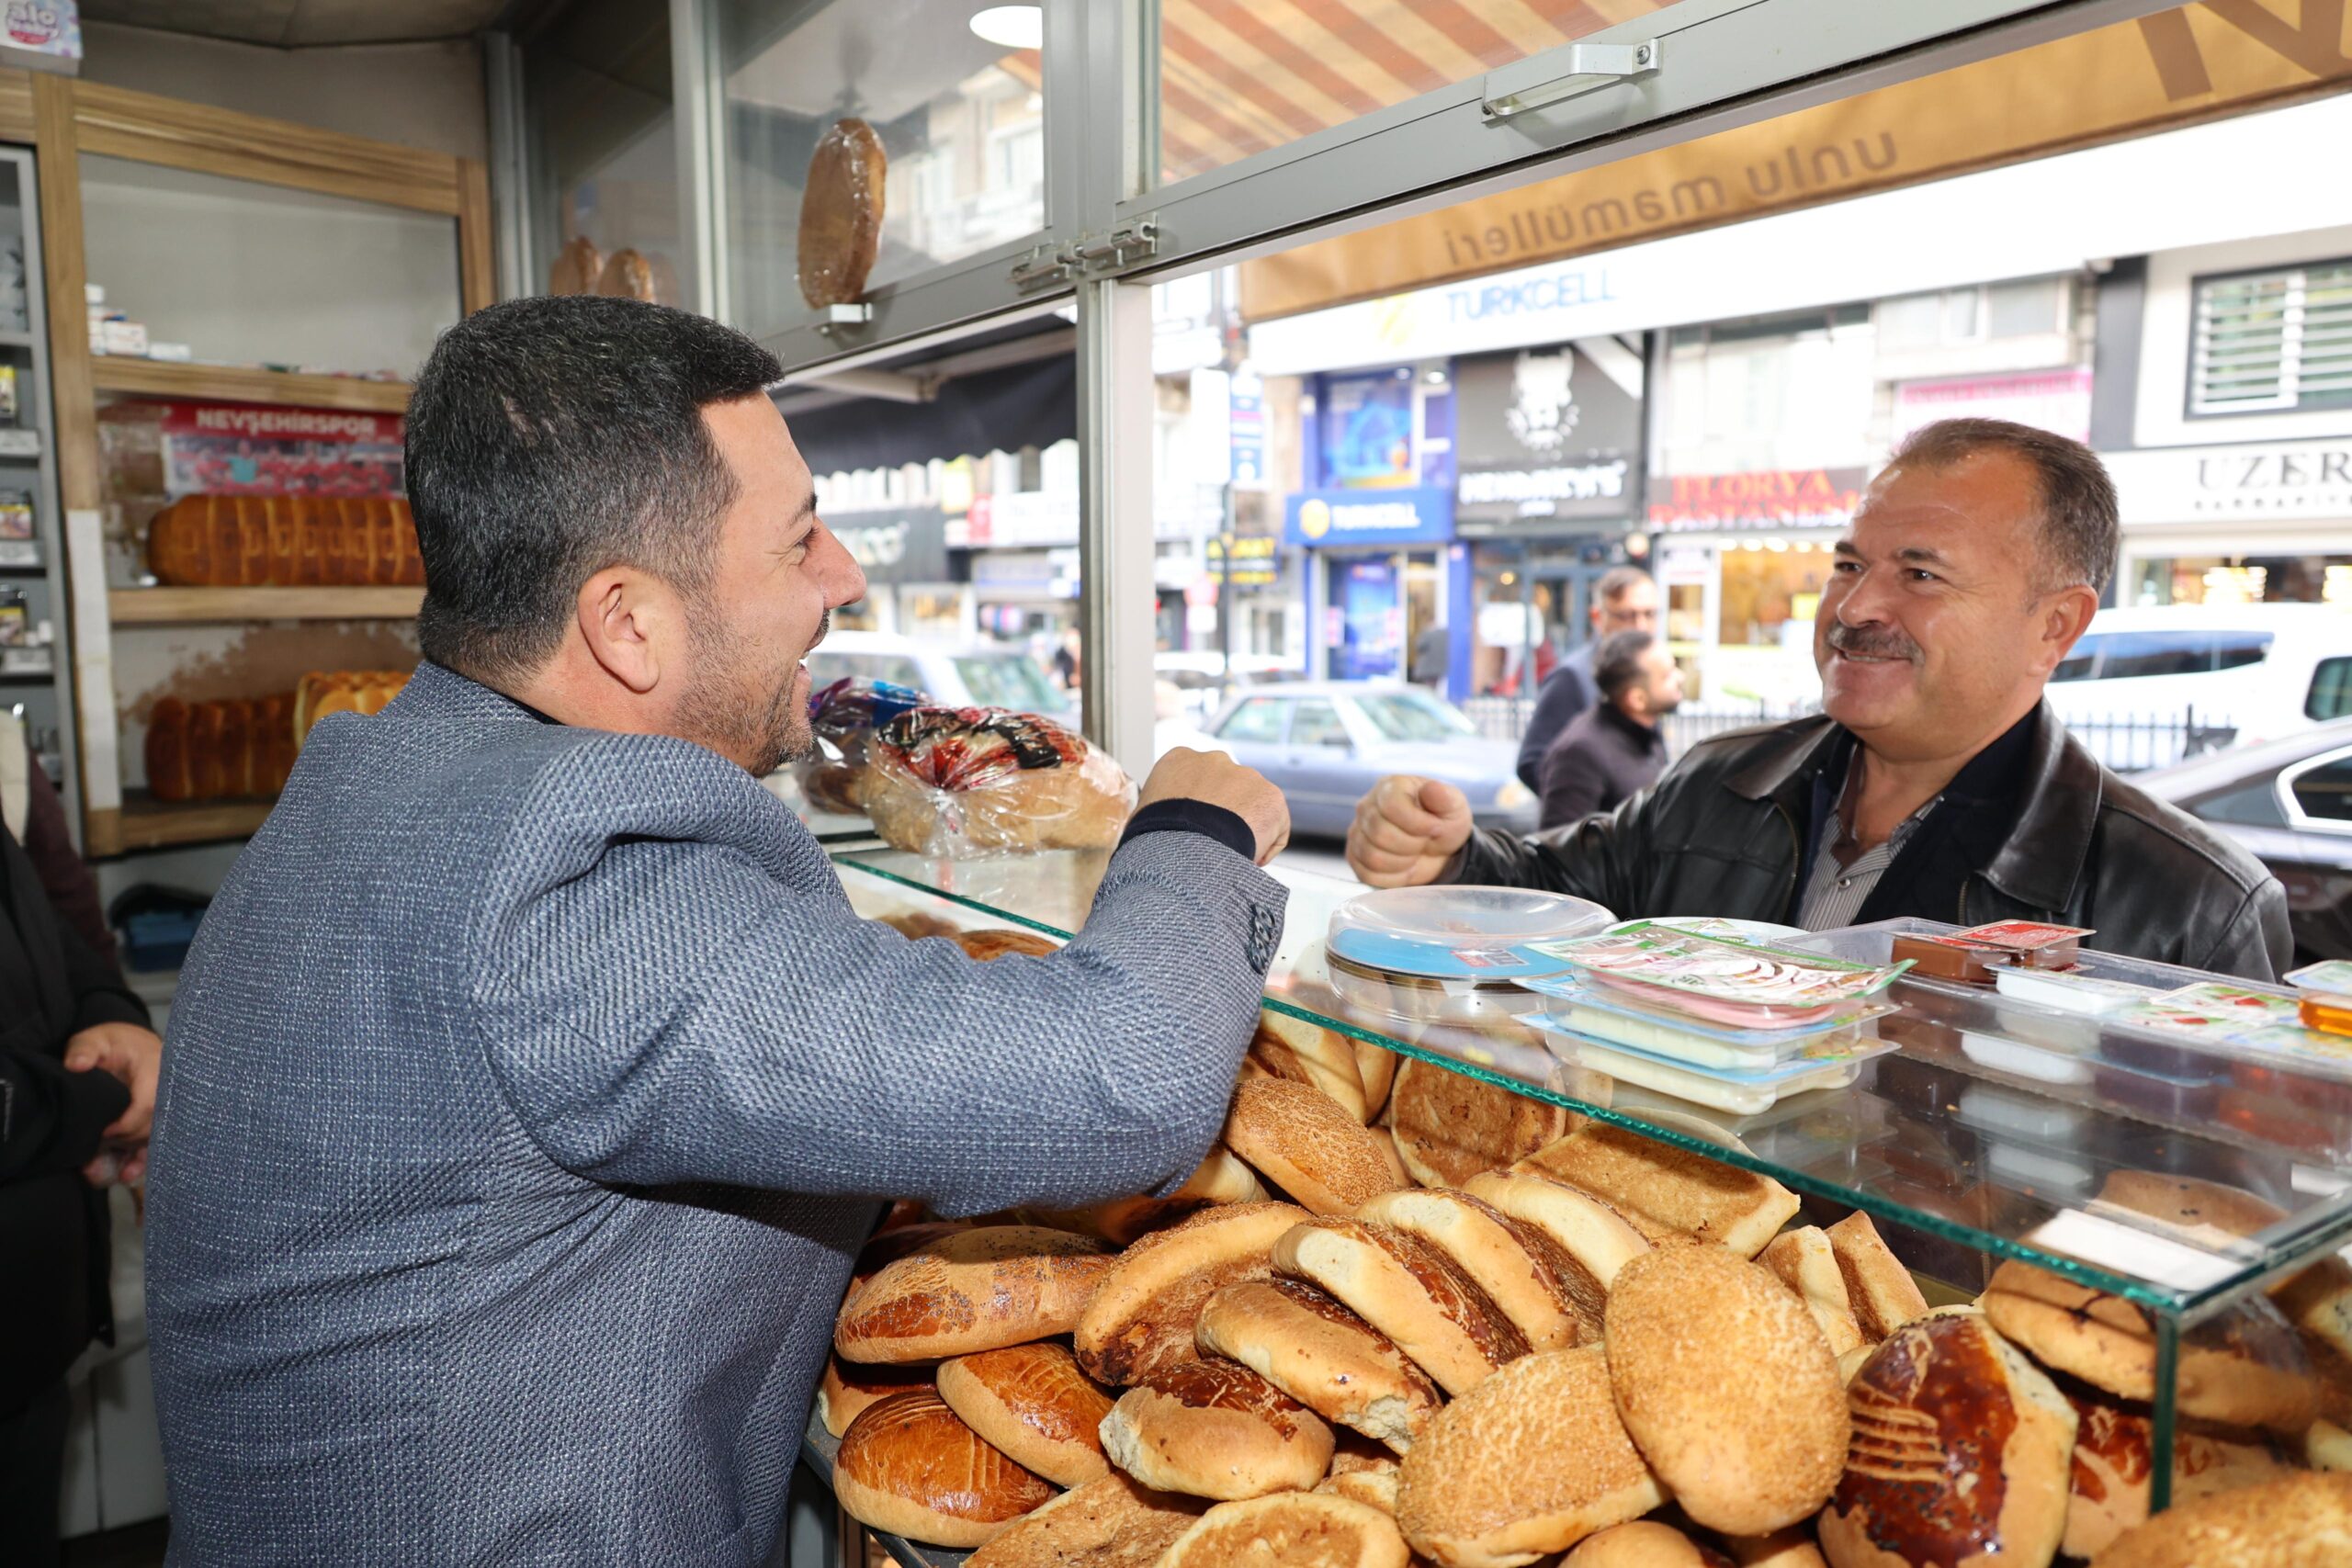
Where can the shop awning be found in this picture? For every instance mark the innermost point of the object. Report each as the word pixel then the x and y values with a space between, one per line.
pixel 994 410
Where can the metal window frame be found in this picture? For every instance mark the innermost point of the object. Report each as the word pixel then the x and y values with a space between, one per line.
pixel 2292 804
pixel 2285 401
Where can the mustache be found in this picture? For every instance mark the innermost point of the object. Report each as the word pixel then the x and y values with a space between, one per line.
pixel 1870 641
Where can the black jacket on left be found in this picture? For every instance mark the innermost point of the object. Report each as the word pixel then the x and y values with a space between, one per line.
pixel 52 1223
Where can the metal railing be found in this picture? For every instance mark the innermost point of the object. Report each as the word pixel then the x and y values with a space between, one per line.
pixel 2128 743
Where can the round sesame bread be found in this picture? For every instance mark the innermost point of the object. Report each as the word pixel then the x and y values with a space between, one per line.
pixel 1962 1453
pixel 1322 1355
pixel 909 1467
pixel 1879 1292
pixel 1728 1387
pixel 1034 1403
pixel 1803 1261
pixel 1524 1272
pixel 2302 1522
pixel 2114 1443
pixel 1115 1522
pixel 2244 1368
pixel 1594 1240
pixel 1296 1530
pixel 1304 1142
pixel 973 1290
pixel 1411 1291
pixel 1291 1048
pixel 1529 1462
pixel 1448 1126
pixel 848 1387
pixel 1644 1543
pixel 1142 1315
pixel 1666 1191
pixel 1215 1428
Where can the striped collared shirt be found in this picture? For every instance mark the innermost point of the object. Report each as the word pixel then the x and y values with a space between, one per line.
pixel 1844 875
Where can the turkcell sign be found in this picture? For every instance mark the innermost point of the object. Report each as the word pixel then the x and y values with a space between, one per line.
pixel 1377 518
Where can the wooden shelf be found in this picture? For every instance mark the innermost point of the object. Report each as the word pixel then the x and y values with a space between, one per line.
pixel 238 384
pixel 146 823
pixel 198 607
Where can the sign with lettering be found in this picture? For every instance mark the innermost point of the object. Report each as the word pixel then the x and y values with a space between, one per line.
pixel 2262 481
pixel 1414 514
pixel 1546 433
pixel 1768 498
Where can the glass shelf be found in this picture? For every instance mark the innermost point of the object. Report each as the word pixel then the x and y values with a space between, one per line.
pixel 1974 1153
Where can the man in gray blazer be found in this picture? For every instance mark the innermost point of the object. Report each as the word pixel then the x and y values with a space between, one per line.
pixel 532 1085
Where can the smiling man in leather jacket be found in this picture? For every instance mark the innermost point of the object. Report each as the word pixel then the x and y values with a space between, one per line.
pixel 1936 782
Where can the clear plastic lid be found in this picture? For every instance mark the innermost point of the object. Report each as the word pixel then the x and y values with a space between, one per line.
pixel 1460 933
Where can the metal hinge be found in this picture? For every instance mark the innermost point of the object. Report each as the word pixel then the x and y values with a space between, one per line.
pixel 1091 256
pixel 1591 66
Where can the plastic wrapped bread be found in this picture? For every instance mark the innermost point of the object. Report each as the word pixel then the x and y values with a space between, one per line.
pixel 967 781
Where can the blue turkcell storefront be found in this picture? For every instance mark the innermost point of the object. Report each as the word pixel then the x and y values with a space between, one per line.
pixel 1378 598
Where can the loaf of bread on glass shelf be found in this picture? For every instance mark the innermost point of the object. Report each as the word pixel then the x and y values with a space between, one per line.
pixel 285 541
pixel 959 782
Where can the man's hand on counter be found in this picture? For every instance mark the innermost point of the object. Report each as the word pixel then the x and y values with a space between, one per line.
pixel 1214 777
pixel 1406 830
pixel 135 1055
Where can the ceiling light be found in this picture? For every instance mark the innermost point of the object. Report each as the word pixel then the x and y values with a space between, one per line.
pixel 1012 26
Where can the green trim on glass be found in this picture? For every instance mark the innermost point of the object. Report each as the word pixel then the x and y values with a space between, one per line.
pixel 2160 1437
pixel 928 890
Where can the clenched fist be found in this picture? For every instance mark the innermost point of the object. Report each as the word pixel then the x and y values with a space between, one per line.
pixel 1406 830
pixel 1212 776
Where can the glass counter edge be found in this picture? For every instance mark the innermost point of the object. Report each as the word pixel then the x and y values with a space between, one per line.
pixel 2185 1305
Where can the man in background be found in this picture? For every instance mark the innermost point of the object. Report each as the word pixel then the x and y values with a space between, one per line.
pixel 1613 750
pixel 1626 600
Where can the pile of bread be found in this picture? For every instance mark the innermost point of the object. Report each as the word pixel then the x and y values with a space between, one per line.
pixel 1484 1332
pixel 285 541
pixel 245 746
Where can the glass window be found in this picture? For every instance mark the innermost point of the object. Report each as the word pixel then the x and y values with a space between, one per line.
pixel 2235 650
pixel 2325 792
pixel 1317 723
pixel 2252 805
pixel 1414 716
pixel 2129 656
pixel 1010 681
pixel 1910 321
pixel 2024 309
pixel 1260 718
pixel 2331 695
pixel 603 141
pixel 960 116
pixel 2266 342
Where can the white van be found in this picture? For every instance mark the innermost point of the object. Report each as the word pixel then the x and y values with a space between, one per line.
pixel 955 674
pixel 2141 677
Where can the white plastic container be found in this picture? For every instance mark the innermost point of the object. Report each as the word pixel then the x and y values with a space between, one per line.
pixel 1742 1094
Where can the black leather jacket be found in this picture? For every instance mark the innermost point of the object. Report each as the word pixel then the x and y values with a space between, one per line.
pixel 1722 833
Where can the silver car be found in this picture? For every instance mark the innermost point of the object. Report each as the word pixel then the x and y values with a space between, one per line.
pixel 1327 742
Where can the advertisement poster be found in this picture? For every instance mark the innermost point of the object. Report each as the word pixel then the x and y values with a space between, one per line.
pixel 1368 431
pixel 1372 621
pixel 239 449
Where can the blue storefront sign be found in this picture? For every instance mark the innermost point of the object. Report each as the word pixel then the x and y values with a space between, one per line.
pixel 1378 519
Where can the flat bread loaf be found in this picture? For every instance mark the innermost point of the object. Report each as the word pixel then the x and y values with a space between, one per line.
pixel 1535 1283
pixel 975 1289
pixel 1032 1402
pixel 1327 1358
pixel 1142 1317
pixel 1411 1291
pixel 1880 1291
pixel 1664 1191
pixel 909 1467
pixel 1215 1428
pixel 1448 1126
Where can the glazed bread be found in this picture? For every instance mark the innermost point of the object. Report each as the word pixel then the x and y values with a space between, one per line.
pixel 1295 1530
pixel 2114 1457
pixel 1142 1316
pixel 1308 1345
pixel 1664 1191
pixel 1411 1291
pixel 1879 1292
pixel 1530 1462
pixel 1962 1453
pixel 1309 1144
pixel 1115 1522
pixel 1032 1402
pixel 848 1388
pixel 976 1290
pixel 1448 1126
pixel 1805 1261
pixel 1522 1270
pixel 908 1467
pixel 1215 1428
pixel 1728 1387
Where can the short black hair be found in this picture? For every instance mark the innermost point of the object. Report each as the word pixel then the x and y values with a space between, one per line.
pixel 2081 528
pixel 549 439
pixel 1617 662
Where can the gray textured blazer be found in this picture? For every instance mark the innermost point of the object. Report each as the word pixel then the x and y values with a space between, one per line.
pixel 528 1092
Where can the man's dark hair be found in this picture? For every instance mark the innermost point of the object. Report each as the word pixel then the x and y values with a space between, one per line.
pixel 1617 663
pixel 2080 531
pixel 549 439
pixel 1615 582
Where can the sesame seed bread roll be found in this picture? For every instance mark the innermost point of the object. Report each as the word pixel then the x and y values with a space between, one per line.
pixel 1644 1543
pixel 2302 1522
pixel 1304 1142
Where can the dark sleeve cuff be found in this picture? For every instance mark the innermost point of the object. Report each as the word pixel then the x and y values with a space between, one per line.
pixel 109 1005
pixel 1194 816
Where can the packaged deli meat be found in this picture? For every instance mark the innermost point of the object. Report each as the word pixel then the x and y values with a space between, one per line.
pixel 967 781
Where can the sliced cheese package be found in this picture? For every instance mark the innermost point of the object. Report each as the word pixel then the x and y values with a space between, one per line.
pixel 1741 1093
pixel 1593 1013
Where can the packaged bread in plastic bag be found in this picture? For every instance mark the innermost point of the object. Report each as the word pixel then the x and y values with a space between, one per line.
pixel 966 781
pixel 842 717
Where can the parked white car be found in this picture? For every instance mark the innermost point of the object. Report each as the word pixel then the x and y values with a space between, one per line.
pixel 2238 672
pixel 955 674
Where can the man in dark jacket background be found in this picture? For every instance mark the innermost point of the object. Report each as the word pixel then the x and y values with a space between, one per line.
pixel 77 1078
pixel 1614 747
pixel 1936 782
pixel 1625 599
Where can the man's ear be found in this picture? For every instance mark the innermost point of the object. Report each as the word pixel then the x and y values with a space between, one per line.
pixel 2064 619
pixel 625 618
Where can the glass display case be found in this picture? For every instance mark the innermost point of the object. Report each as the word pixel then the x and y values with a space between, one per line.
pixel 2172 1189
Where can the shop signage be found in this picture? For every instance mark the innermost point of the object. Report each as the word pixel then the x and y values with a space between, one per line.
pixel 2282 479
pixel 1257 562
pixel 1419 515
pixel 244 449
pixel 2122 80
pixel 1544 434
pixel 1016 518
pixel 892 547
pixel 2055 401
pixel 1023 575
pixel 1768 498
pixel 1246 428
